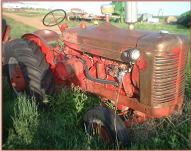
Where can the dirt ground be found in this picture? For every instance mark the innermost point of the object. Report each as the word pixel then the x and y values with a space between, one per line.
pixel 35 22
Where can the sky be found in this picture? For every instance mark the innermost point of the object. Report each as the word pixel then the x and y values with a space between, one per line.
pixel 168 8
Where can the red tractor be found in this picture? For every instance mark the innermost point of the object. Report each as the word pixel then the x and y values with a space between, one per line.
pixel 140 74
pixel 5 36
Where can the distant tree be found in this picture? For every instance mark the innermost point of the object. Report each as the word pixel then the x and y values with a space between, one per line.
pixel 185 19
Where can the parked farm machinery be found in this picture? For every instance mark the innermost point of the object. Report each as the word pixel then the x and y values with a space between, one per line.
pixel 139 73
pixel 79 15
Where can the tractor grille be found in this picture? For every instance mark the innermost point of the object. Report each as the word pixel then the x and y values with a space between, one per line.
pixel 166 78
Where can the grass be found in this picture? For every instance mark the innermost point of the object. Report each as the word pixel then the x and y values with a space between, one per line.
pixel 157 27
pixel 26 126
pixel 27 13
pixel 58 127
pixel 17 29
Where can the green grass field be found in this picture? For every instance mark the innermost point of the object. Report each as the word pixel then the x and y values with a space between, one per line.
pixel 25 126
pixel 17 29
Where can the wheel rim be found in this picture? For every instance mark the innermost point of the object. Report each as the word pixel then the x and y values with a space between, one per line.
pixel 101 131
pixel 16 76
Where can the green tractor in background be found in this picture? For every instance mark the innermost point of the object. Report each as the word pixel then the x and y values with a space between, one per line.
pixel 119 11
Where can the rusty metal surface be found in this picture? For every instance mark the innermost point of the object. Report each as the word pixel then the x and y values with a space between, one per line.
pixel 164 73
pixel 47 35
pixel 164 78
pixel 104 40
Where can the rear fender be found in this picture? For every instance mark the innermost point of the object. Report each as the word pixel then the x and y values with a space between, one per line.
pixel 6 34
pixel 5 38
pixel 42 38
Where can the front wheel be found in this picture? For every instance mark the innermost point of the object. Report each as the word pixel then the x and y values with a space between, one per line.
pixel 27 69
pixel 99 121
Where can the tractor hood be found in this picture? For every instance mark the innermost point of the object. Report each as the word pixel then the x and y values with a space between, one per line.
pixel 104 40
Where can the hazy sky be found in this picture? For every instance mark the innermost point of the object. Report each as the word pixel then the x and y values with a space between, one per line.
pixel 169 8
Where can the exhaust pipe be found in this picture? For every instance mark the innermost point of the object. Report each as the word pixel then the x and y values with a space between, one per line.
pixel 130 13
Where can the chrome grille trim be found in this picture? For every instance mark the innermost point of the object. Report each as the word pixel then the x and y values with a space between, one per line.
pixel 165 74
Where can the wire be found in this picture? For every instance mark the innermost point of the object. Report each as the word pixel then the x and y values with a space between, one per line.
pixel 116 104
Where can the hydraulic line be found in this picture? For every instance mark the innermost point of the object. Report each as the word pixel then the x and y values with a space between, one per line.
pixel 88 75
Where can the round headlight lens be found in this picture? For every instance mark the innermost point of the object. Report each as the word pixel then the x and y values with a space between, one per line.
pixel 135 54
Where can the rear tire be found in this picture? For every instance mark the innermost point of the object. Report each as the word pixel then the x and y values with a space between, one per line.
pixel 105 117
pixel 36 71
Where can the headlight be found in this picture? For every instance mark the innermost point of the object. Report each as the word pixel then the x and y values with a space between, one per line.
pixel 130 55
pixel 135 54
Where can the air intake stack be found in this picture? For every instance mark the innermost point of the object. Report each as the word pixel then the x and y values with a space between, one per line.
pixel 130 13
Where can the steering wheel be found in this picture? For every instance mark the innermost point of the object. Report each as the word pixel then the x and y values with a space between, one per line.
pixel 54 17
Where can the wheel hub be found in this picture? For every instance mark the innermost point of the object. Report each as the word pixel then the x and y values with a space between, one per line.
pixel 16 76
pixel 102 132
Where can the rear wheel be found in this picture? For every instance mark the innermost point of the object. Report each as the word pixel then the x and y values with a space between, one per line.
pixel 27 69
pixel 99 121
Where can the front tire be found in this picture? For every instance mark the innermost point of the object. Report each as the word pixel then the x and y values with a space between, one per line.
pixel 103 118
pixel 26 56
